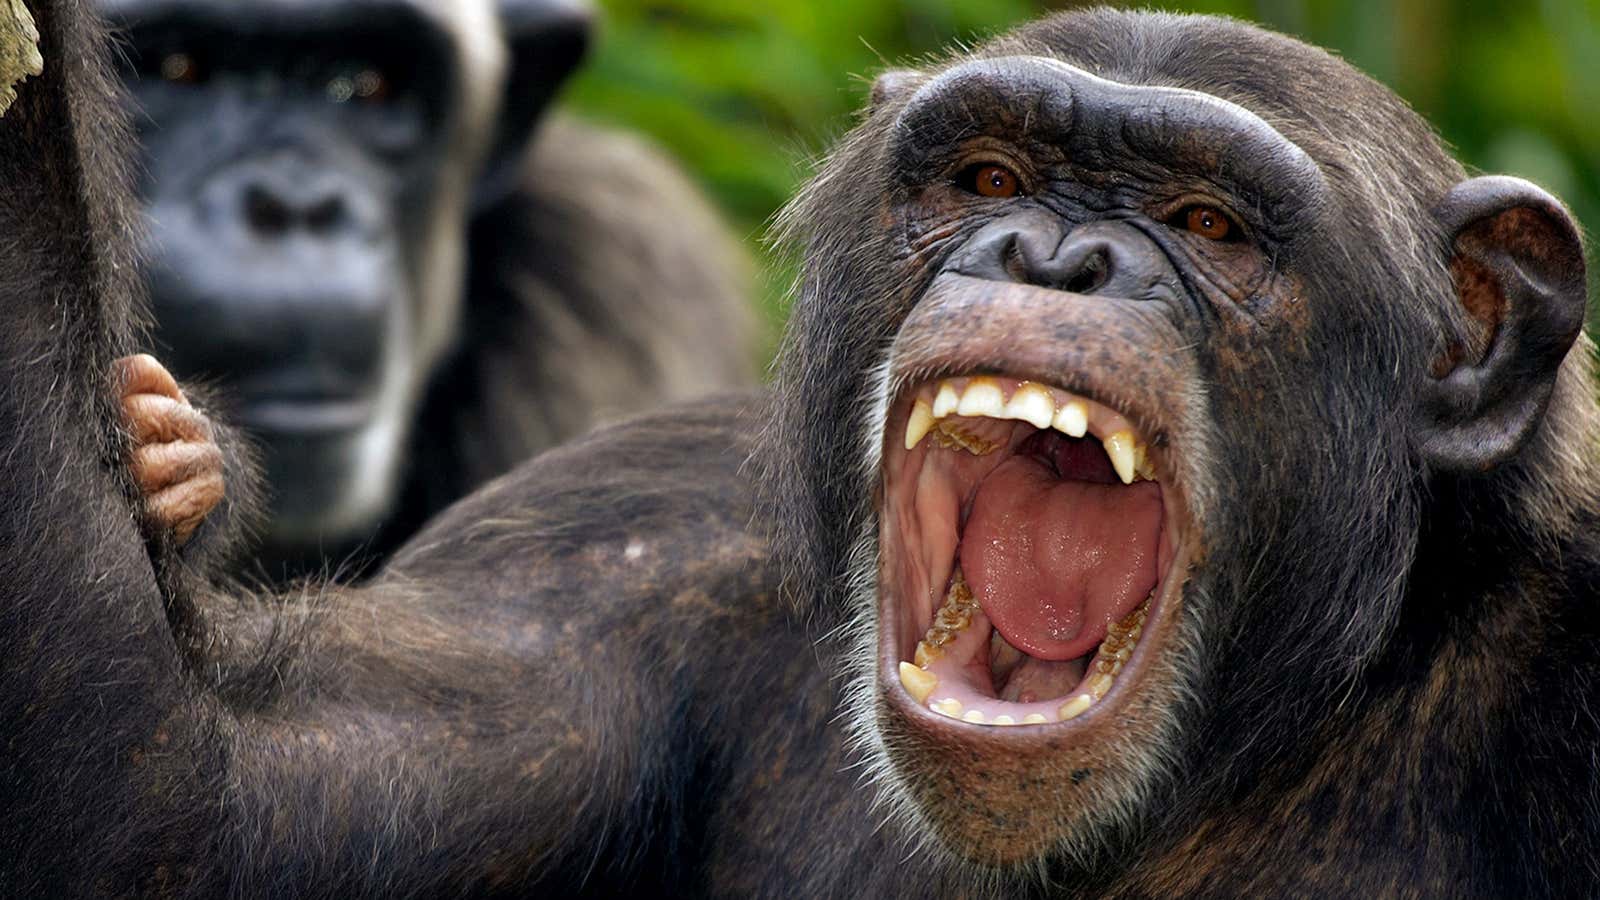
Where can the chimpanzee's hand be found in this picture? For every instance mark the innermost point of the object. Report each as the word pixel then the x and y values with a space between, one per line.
pixel 175 460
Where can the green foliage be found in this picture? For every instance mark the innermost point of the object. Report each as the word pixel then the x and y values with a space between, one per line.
pixel 746 94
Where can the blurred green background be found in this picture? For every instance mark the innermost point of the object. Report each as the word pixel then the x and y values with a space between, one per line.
pixel 748 94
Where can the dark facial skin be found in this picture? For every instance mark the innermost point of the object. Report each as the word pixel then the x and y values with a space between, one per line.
pixel 1367 673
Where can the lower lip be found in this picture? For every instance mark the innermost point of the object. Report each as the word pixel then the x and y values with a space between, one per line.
pixel 306 417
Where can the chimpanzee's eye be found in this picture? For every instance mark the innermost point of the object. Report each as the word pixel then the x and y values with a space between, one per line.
pixel 367 85
pixel 989 180
pixel 181 68
pixel 372 86
pixel 1207 221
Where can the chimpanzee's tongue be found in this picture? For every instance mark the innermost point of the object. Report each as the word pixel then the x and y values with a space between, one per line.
pixel 1053 562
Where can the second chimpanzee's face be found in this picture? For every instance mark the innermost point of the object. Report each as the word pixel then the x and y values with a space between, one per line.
pixel 1140 312
pixel 306 172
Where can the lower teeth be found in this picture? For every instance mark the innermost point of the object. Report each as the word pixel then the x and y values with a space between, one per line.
pixel 951 619
pixel 955 616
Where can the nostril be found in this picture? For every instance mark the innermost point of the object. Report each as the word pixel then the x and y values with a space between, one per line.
pixel 1012 259
pixel 326 215
pixel 1091 275
pixel 264 212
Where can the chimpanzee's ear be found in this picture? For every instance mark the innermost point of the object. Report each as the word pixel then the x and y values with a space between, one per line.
pixel 546 40
pixel 1518 269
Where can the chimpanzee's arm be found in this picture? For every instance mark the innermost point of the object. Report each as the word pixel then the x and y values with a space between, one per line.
pixel 498 710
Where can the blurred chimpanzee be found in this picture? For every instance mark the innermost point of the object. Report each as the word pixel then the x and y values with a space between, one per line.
pixel 402 283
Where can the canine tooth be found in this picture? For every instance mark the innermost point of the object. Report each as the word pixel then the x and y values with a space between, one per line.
pixel 949 706
pixel 1034 719
pixel 1075 707
pixel 983 398
pixel 946 401
pixel 1119 447
pixel 1072 419
pixel 919 683
pixel 920 423
pixel 975 716
pixel 1032 404
pixel 1099 684
pixel 1006 720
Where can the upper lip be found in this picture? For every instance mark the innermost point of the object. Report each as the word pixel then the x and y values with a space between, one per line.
pixel 998 322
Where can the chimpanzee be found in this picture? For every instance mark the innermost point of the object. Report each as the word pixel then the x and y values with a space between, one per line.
pixel 402 284
pixel 1180 482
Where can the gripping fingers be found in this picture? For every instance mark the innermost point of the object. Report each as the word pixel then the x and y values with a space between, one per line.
pixel 185 505
pixel 142 374
pixel 157 418
pixel 181 482
pixel 175 459
pixel 160 466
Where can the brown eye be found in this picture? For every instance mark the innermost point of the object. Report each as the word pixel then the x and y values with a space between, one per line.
pixel 180 68
pixel 1208 222
pixel 990 181
pixel 371 86
pixel 365 86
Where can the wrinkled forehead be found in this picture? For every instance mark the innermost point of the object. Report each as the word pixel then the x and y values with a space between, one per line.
pixel 1096 122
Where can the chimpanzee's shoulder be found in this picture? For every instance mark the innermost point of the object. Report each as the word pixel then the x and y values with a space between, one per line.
pixel 669 492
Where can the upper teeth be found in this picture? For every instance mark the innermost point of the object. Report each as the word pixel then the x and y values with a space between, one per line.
pixel 1072 419
pixel 1036 404
pixel 983 397
pixel 1120 447
pixel 1033 404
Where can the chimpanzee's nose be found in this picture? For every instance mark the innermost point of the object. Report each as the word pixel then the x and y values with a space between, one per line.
pixel 1106 258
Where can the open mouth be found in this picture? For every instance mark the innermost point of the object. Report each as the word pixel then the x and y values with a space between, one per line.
pixel 303 405
pixel 1029 545
pixel 308 416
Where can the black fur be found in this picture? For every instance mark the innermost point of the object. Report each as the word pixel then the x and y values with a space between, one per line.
pixel 604 286
pixel 581 680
